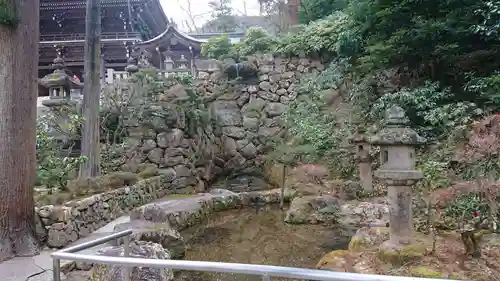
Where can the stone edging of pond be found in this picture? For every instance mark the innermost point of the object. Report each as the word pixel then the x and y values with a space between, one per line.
pixel 58 226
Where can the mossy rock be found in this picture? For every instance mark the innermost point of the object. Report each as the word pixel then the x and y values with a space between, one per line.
pixel 58 198
pixel 148 172
pixel 401 254
pixel 333 260
pixel 368 238
pixel 116 180
pixel 426 272
pixel 81 187
pixel 145 166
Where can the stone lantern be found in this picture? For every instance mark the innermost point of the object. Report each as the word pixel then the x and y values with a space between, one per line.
pixel 363 158
pixel 168 62
pixel 131 65
pixel 397 149
pixel 59 84
pixel 183 62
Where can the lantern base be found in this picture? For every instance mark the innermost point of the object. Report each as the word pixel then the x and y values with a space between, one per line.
pixel 399 252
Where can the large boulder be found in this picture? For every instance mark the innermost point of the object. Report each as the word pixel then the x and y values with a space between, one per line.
pixel 226 113
pixel 374 213
pixel 178 215
pixel 160 233
pixel 313 210
pixel 368 238
pixel 346 261
pixel 138 249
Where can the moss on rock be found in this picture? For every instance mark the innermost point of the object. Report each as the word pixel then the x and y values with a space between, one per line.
pixel 426 272
pixel 117 180
pixel 148 172
pixel 333 259
pixel 368 238
pixel 401 253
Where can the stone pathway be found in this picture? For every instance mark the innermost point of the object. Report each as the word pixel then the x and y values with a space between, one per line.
pixel 39 268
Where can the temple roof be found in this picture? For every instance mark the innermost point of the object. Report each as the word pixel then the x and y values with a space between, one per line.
pixel 169 37
pixel 55 14
pixel 63 4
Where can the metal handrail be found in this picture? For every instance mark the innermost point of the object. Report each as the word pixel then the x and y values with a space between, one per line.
pixel 266 271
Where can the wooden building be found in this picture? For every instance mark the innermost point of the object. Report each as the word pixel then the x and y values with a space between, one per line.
pixel 130 28
pixel 124 22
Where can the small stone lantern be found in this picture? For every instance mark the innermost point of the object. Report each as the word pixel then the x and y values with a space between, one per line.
pixel 363 158
pixel 168 62
pixel 131 65
pixel 183 62
pixel 397 148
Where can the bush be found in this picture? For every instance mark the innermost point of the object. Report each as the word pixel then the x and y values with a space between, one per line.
pixel 217 47
pixel 432 110
pixel 54 164
pixel 317 134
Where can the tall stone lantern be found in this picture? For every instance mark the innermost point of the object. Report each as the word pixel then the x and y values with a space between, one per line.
pixel 363 158
pixel 397 151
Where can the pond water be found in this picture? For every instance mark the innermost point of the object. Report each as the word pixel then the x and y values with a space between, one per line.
pixel 258 236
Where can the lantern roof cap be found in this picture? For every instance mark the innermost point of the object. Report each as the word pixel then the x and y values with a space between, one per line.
pixel 396 131
pixel 59 78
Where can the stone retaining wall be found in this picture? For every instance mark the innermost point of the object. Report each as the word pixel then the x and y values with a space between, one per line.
pixel 248 114
pixel 59 226
pixel 244 117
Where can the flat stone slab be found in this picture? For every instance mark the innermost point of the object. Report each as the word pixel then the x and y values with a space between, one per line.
pixel 19 269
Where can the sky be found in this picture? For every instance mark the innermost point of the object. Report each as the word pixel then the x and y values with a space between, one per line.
pixel 200 10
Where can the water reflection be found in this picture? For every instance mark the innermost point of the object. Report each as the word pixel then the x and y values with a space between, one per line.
pixel 258 236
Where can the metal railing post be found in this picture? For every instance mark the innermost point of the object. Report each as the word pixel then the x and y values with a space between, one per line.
pixel 266 277
pixel 56 269
pixel 126 253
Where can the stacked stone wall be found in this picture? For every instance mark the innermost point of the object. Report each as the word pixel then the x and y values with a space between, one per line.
pixel 58 226
pixel 244 117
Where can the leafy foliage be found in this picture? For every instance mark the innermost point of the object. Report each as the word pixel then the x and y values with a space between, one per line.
pixel 311 10
pixel 217 47
pixel 54 168
pixel 317 134
pixel 488 89
pixel 326 37
pixel 467 204
pixel 490 14
pixel 431 110
pixel 255 41
pixel 8 14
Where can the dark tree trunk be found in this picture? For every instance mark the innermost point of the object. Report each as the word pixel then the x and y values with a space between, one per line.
pixel 91 92
pixel 18 93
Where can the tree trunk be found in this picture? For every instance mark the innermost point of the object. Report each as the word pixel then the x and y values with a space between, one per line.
pixel 18 93
pixel 92 91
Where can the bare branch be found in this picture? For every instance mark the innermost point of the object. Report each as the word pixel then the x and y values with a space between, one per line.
pixel 192 25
